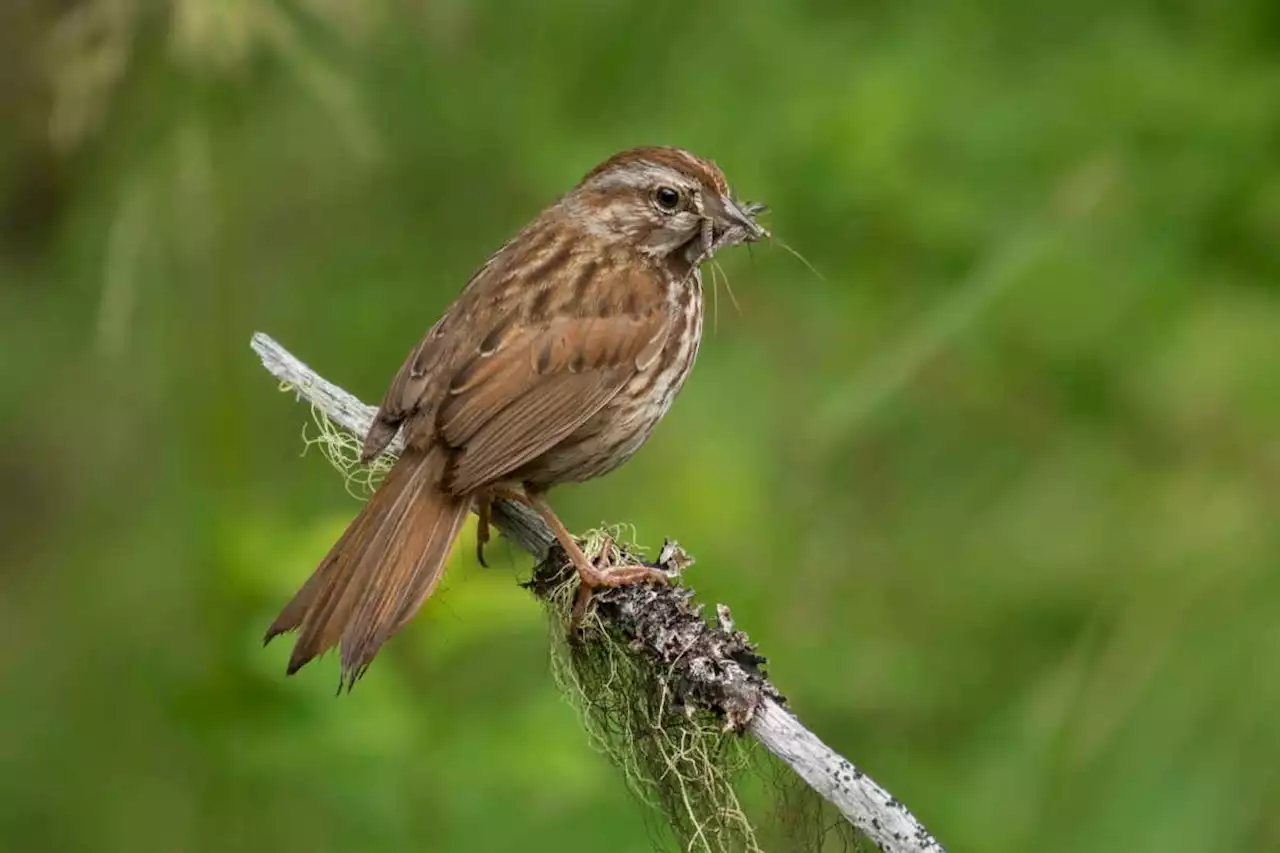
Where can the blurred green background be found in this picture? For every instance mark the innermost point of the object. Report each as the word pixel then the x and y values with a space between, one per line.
pixel 999 495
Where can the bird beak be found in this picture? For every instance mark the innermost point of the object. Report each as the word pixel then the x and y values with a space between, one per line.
pixel 733 216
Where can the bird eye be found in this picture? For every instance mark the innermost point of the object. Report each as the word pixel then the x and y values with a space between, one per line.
pixel 667 198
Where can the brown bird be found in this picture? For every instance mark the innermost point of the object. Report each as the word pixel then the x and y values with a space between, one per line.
pixel 552 366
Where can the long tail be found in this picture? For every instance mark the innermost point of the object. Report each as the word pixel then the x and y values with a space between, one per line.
pixel 380 572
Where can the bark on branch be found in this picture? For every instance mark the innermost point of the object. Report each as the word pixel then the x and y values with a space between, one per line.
pixel 716 663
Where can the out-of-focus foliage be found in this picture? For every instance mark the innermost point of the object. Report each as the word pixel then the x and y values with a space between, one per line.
pixel 999 494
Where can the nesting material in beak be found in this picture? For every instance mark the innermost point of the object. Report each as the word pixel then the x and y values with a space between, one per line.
pixel 733 222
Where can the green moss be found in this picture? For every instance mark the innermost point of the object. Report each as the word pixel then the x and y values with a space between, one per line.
pixel 675 758
pixel 342 450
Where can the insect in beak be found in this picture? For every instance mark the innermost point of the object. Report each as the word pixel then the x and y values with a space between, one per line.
pixel 743 216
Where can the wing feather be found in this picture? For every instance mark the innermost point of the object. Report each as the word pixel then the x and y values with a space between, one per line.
pixel 516 404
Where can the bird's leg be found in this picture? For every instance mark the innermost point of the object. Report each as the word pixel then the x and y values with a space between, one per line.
pixel 484 515
pixel 484 504
pixel 592 577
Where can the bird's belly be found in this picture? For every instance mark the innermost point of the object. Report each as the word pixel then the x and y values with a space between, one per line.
pixel 608 439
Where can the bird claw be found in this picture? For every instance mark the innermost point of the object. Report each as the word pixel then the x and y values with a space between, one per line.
pixel 603 576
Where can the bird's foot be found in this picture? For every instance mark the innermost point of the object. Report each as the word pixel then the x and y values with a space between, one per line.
pixel 592 577
pixel 604 576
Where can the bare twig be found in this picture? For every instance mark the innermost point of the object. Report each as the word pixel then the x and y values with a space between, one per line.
pixel 716 662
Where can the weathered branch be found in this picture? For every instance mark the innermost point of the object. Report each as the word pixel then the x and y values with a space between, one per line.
pixel 716 664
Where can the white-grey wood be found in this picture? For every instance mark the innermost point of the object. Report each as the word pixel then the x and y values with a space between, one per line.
pixel 869 807
pixel 863 802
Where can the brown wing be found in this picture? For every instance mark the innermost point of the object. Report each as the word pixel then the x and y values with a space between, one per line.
pixel 520 360
pixel 508 407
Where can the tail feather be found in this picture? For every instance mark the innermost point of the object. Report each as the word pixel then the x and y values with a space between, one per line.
pixel 379 572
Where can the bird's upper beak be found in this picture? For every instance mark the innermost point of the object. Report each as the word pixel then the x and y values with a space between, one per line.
pixel 730 215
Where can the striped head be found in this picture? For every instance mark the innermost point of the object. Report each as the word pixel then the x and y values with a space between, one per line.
pixel 666 201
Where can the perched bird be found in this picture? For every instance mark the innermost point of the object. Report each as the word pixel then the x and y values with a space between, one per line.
pixel 553 365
